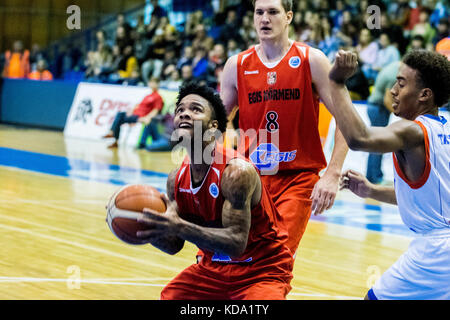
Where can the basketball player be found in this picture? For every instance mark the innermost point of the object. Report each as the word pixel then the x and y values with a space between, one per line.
pixel 277 85
pixel 221 206
pixel 420 143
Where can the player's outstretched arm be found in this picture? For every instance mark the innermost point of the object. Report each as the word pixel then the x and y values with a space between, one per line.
pixel 359 185
pixel 401 135
pixel 165 241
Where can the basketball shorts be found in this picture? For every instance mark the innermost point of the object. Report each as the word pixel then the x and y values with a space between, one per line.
pixel 421 273
pixel 199 283
pixel 291 195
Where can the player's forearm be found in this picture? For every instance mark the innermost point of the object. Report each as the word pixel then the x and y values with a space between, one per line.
pixel 229 241
pixel 383 194
pixel 170 244
pixel 347 118
pixel 338 155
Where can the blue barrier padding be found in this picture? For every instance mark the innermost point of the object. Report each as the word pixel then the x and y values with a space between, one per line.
pixel 36 103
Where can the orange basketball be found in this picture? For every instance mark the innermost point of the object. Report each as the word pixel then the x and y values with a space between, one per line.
pixel 132 198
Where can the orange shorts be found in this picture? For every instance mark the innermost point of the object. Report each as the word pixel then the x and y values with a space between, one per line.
pixel 291 194
pixel 199 283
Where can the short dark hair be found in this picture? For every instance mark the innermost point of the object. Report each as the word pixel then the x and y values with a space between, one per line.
pixel 208 93
pixel 287 4
pixel 433 72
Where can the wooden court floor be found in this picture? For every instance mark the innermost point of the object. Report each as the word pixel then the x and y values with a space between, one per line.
pixel 55 243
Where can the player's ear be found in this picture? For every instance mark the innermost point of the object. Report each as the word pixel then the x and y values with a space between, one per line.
pixel 214 124
pixel 425 94
pixel 290 16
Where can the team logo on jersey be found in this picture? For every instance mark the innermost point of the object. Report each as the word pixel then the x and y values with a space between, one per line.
pixel 295 62
pixel 214 190
pixel 267 156
pixel 271 78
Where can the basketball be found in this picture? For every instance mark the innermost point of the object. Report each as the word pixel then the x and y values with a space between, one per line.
pixel 133 198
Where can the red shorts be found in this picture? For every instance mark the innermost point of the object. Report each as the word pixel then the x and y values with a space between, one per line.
pixel 291 195
pixel 199 283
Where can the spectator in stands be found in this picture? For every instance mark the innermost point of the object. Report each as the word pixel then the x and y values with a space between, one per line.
pixel 170 61
pixel 216 61
pixel 128 64
pixel 379 108
pixel 247 31
pixel 144 112
pixel 157 11
pixel 186 58
pixel 200 63
pixel 153 65
pixel 442 30
pixel 417 42
pixel 187 74
pixel 230 30
pixel 174 81
pixel 122 23
pixel 41 72
pixel 366 48
pixel 395 32
pixel 123 38
pixel 232 48
pixel 36 54
pixel 388 53
pixel 17 62
pixel 424 29
pixel 99 64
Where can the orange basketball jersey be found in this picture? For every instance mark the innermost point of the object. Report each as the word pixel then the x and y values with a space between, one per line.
pixel 203 205
pixel 280 104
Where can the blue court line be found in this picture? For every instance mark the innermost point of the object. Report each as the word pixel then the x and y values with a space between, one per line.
pixel 79 169
pixel 359 215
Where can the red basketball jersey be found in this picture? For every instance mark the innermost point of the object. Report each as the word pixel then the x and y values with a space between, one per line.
pixel 279 100
pixel 203 205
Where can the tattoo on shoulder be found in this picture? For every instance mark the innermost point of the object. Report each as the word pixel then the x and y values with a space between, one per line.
pixel 238 183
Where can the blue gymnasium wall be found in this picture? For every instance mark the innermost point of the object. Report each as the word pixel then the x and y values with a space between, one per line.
pixel 43 104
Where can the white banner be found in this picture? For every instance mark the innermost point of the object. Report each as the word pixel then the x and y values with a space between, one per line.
pixel 96 105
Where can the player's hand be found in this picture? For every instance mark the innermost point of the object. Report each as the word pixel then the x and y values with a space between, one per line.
pixel 356 183
pixel 324 193
pixel 159 224
pixel 344 66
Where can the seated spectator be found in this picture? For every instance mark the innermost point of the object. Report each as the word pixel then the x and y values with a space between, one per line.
pixel 187 74
pixel 17 62
pixel 232 48
pixel 36 54
pixel 443 30
pixel 152 67
pixel 424 29
pixel 174 81
pixel 41 72
pixel 417 42
pixel 388 53
pixel 99 65
pixel 170 60
pixel 128 63
pixel 367 49
pixel 200 63
pixel 186 58
pixel 158 11
pixel 144 112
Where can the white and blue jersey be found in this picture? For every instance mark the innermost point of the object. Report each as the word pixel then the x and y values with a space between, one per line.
pixel 423 271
